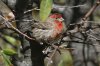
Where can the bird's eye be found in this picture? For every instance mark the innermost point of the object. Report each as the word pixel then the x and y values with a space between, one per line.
pixel 56 18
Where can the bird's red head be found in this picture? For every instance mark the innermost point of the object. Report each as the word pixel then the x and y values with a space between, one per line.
pixel 58 21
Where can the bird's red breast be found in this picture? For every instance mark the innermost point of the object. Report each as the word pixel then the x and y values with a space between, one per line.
pixel 59 25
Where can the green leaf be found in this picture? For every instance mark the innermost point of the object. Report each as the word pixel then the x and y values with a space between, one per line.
pixel 45 9
pixel 66 58
pixel 6 59
pixel 12 40
pixel 9 52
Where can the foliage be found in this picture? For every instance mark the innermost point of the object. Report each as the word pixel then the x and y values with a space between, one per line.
pixel 66 58
pixel 45 9
pixel 8 50
pixel 6 59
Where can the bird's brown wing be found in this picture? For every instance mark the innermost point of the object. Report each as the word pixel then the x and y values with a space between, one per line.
pixel 41 34
pixel 43 25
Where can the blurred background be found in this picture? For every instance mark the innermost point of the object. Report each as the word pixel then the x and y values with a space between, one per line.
pixel 72 11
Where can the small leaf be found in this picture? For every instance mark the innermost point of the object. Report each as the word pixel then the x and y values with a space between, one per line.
pixel 66 58
pixel 45 9
pixel 6 59
pixel 12 40
pixel 9 52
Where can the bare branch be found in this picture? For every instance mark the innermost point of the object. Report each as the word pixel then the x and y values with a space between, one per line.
pixel 9 24
pixel 91 10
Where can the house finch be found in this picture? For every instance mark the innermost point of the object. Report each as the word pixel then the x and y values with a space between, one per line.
pixel 50 30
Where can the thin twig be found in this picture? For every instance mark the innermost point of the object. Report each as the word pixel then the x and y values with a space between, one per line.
pixel 80 42
pixel 8 23
pixel 55 48
pixel 31 10
pixel 35 9
pixel 84 19
pixel 68 6
pixel 20 31
pixel 91 10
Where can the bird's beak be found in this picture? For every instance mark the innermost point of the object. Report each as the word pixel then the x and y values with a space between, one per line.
pixel 61 19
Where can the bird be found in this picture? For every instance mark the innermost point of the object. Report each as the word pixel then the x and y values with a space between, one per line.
pixel 49 31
